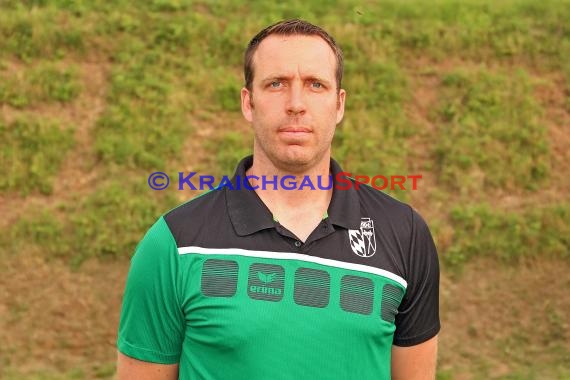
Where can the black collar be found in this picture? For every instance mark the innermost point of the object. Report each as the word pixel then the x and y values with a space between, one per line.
pixel 249 214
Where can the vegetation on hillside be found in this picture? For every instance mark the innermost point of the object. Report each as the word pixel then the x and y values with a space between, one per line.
pixel 448 89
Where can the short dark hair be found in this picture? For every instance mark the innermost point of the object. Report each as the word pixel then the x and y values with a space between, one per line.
pixel 289 28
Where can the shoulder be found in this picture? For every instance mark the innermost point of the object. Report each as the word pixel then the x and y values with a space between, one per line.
pixel 200 203
pixel 384 207
pixel 197 213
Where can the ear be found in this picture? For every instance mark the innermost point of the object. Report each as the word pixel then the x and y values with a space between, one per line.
pixel 246 104
pixel 340 105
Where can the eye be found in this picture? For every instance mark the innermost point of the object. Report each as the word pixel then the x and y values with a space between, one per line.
pixel 275 84
pixel 317 85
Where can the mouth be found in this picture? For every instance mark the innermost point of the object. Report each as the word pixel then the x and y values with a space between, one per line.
pixel 294 129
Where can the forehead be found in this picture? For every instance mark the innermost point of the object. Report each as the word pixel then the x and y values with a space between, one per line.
pixel 308 55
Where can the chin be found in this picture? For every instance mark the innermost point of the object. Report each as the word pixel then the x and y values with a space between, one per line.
pixel 297 161
pixel 298 156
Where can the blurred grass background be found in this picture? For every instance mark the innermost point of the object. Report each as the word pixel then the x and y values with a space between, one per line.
pixel 474 95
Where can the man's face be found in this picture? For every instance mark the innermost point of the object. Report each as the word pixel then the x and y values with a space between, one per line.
pixel 294 105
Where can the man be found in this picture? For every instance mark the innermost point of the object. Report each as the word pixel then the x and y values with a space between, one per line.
pixel 284 284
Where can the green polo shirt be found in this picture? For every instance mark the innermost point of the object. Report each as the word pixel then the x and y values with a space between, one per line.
pixel 220 287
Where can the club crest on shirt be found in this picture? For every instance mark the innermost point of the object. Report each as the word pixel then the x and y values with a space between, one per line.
pixel 363 241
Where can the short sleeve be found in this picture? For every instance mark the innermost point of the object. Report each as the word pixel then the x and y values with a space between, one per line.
pixel 418 315
pixel 151 327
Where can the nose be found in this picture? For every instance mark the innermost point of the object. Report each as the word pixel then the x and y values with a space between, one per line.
pixel 296 101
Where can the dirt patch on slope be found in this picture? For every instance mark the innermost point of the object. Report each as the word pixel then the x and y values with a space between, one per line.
pixel 55 320
pixel 498 319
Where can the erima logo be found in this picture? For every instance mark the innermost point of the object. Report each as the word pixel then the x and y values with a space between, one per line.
pixel 363 241
pixel 265 279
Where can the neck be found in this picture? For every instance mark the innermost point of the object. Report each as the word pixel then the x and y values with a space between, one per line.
pixel 294 208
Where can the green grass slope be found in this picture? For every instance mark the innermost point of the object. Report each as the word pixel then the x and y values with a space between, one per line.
pixel 473 95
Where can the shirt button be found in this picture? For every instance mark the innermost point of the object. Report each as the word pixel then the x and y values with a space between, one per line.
pixel 297 243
